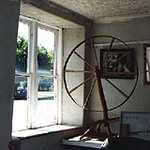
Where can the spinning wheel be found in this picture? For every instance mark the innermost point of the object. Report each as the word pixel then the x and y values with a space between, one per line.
pixel 94 77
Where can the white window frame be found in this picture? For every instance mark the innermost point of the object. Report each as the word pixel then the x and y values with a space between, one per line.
pixel 31 73
pixel 146 63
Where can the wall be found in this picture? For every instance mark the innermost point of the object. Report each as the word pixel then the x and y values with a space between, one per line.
pixel 72 114
pixel 132 30
pixel 135 32
pixel 9 12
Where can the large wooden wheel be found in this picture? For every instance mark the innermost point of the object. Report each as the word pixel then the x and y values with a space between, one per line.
pixel 94 74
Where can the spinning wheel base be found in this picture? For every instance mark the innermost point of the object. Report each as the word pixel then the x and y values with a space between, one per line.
pixel 101 130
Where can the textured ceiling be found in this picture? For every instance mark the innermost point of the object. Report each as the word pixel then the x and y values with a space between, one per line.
pixel 108 10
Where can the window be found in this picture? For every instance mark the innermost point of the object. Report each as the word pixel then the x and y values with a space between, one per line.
pixel 35 103
pixel 147 63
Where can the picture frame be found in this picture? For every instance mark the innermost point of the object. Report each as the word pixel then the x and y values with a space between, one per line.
pixel 117 63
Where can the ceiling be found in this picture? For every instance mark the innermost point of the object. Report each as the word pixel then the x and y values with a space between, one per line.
pixel 108 10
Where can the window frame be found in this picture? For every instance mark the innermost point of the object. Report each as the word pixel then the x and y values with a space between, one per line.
pixel 31 72
pixel 145 47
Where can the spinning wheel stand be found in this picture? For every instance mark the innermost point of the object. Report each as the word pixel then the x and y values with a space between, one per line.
pixel 102 128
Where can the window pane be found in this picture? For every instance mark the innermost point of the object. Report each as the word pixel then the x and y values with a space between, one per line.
pixel 20 91
pixel 45 88
pixel 147 64
pixel 19 121
pixel 46 113
pixel 45 56
pixel 22 48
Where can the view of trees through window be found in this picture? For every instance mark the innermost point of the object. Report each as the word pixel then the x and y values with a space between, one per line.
pixel 45 61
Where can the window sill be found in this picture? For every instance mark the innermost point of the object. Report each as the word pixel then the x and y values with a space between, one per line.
pixel 41 131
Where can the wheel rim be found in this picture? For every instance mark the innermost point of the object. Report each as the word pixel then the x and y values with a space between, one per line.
pixel 91 66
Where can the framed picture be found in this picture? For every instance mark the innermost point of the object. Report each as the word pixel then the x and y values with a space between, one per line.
pixel 135 124
pixel 117 63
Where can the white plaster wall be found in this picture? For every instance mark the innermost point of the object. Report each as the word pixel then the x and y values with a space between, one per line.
pixel 9 13
pixel 71 113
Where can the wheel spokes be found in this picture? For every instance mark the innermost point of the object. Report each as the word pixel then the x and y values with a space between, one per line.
pixel 77 54
pixel 78 71
pixel 90 92
pixel 94 50
pixel 81 84
pixel 117 88
pixel 111 44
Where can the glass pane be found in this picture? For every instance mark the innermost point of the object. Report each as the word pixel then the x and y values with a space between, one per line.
pixel 45 56
pixel 20 91
pixel 46 113
pixel 45 88
pixel 22 47
pixel 147 64
pixel 148 76
pixel 19 121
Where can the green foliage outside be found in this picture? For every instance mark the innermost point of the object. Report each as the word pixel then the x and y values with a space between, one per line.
pixel 45 58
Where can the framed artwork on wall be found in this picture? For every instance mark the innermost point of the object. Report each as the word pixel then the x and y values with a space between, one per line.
pixel 117 63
